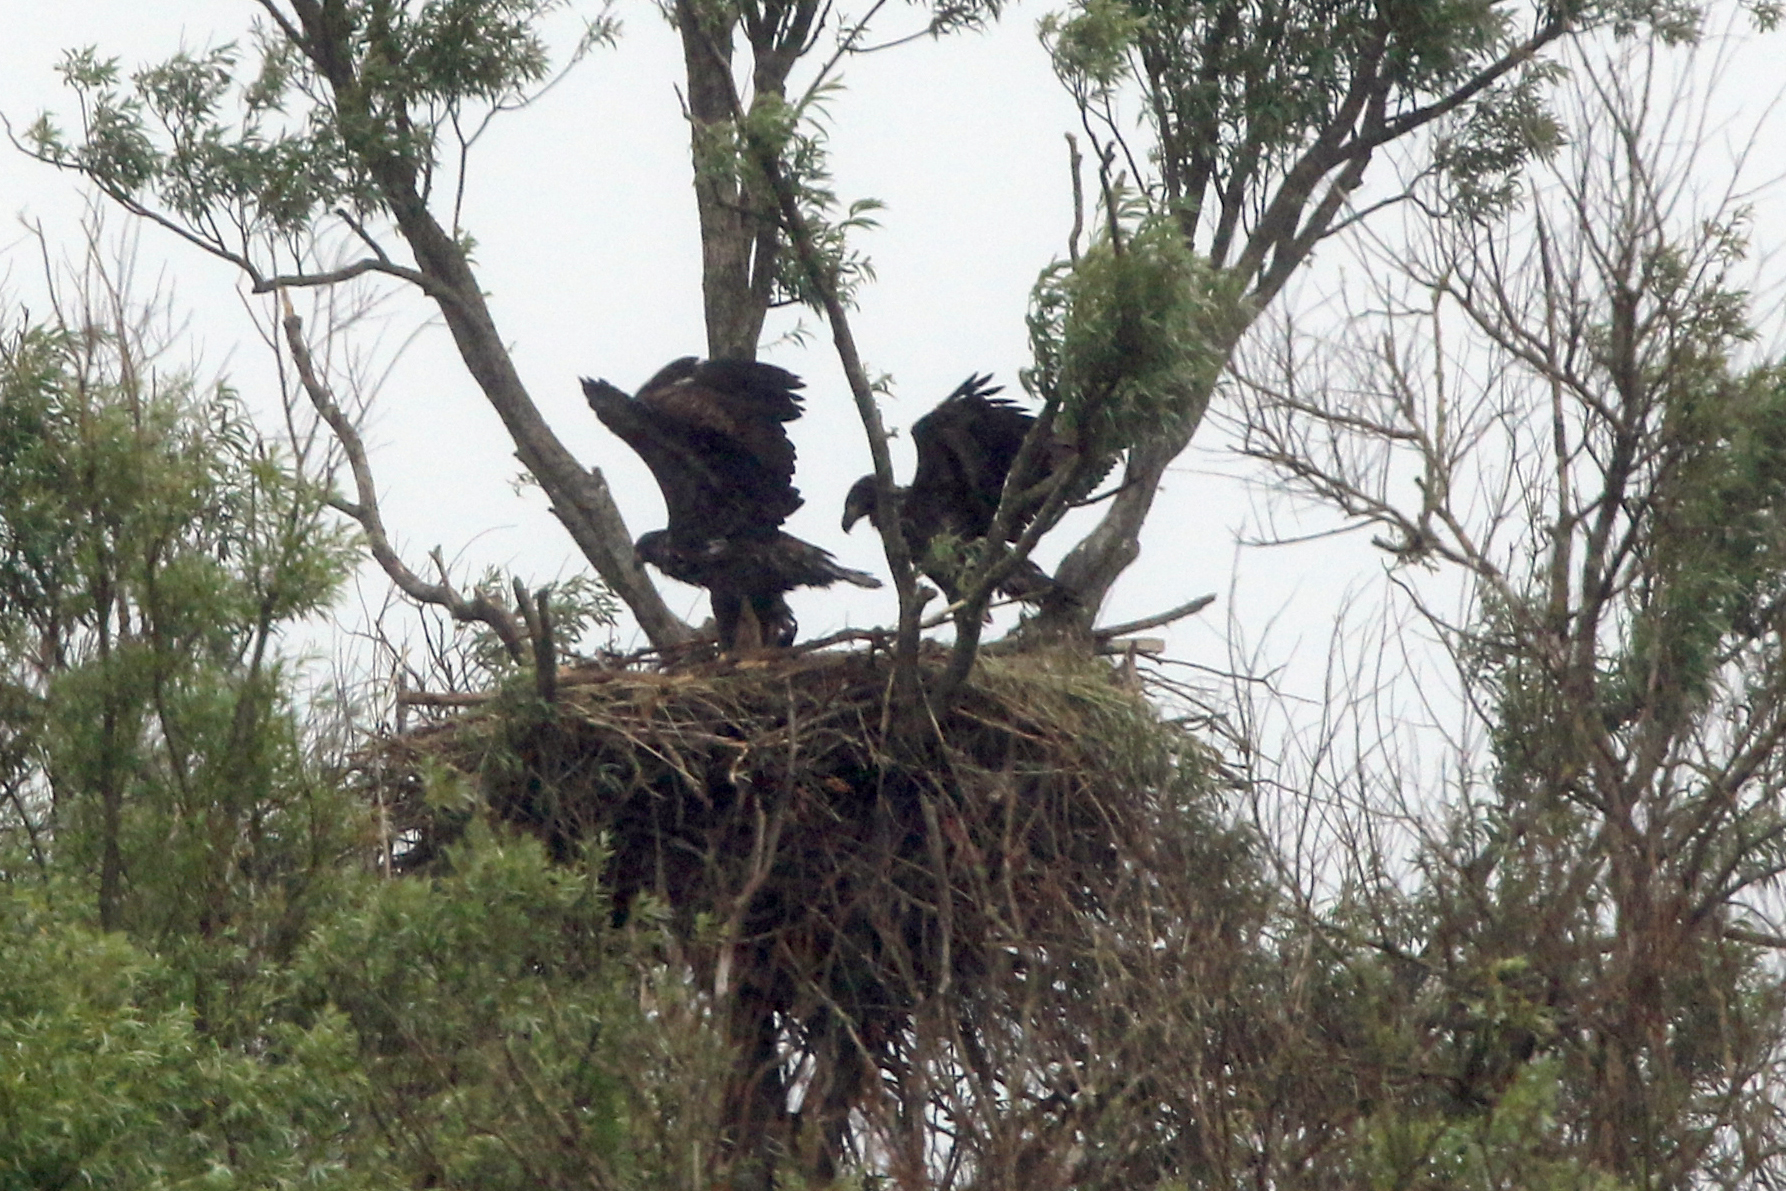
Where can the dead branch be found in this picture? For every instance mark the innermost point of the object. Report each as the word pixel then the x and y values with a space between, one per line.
pixel 409 698
pixel 1151 646
pixel 1104 635
pixel 480 608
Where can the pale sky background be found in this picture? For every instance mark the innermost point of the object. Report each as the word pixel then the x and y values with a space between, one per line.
pixel 584 219
pixel 585 224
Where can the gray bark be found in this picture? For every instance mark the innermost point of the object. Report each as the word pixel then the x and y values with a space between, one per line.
pixel 741 236
pixel 580 496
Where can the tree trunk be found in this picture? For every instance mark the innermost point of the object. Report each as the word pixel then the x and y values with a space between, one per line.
pixel 580 496
pixel 741 234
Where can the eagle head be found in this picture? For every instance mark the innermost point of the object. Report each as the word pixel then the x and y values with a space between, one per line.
pixel 864 500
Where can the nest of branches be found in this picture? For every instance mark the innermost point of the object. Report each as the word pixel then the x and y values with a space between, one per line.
pixel 848 873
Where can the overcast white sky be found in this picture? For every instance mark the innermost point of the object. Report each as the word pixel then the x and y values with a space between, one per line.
pixel 585 226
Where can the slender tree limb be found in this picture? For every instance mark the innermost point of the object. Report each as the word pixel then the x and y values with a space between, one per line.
pixel 970 617
pixel 38 855
pixel 1737 934
pixel 359 268
pixel 480 608
pixel 1190 608
pixel 1075 161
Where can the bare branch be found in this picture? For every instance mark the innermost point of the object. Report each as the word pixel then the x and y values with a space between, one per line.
pixel 1190 608
pixel 1737 934
pixel 359 268
pixel 480 609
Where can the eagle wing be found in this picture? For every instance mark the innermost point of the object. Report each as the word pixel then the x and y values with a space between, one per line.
pixel 966 446
pixel 713 434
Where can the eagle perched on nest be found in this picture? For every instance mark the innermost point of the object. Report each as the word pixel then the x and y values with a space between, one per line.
pixel 713 433
pixel 966 447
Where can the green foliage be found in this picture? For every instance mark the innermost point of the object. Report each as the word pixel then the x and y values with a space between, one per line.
pixel 1709 497
pixel 200 984
pixel 151 547
pixel 1482 155
pixel 1247 101
pixel 793 137
pixel 1237 90
pixel 1719 535
pixel 504 1028
pixel 1091 46
pixel 111 1080
pixel 180 508
pixel 1127 339
pixel 168 137
pixel 483 1030
pixel 1518 1143
pixel 580 604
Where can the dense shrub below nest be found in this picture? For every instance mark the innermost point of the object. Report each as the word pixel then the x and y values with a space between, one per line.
pixel 838 876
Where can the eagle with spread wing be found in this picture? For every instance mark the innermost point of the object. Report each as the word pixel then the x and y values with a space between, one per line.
pixel 713 433
pixel 966 447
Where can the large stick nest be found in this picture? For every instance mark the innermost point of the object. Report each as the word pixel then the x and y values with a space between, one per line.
pixel 845 867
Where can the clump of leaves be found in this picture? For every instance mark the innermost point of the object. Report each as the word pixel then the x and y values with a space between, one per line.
pixel 1126 338
pixel 510 1035
pixel 112 1080
pixel 792 136
pixel 579 605
pixel 1090 49
pixel 1481 158
pixel 1518 1143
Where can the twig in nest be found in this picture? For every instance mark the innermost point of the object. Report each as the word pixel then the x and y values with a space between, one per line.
pixel 879 637
pixel 409 698
pixel 1133 646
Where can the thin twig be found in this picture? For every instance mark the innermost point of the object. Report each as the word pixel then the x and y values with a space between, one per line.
pixel 1076 162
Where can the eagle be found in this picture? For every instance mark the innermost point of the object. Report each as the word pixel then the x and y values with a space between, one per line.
pixel 713 433
pixel 966 447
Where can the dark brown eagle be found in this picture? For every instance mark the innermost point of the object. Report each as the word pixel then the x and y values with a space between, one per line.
pixel 713 434
pixel 966 447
